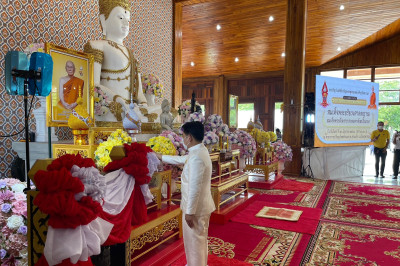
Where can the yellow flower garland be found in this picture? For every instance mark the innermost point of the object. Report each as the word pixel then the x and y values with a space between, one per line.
pixel 102 153
pixel 161 145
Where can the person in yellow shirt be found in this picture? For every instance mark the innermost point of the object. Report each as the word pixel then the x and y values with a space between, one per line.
pixel 380 139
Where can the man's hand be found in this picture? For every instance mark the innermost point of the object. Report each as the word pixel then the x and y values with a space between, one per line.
pixel 189 220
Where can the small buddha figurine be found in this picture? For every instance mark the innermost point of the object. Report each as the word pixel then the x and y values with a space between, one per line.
pixel 116 71
pixel 166 118
pixel 258 124
pixel 250 125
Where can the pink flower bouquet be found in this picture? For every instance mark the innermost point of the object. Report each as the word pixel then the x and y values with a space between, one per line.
pixel 184 109
pixel 210 138
pixel 13 217
pixel 176 140
pixel 199 117
pixel 246 144
pixel 151 84
pixel 213 122
pixel 282 151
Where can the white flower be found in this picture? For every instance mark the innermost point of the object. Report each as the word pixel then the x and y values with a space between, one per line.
pixel 15 221
pixel 18 188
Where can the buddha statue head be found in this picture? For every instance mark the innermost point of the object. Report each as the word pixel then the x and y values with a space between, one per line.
pixel 114 19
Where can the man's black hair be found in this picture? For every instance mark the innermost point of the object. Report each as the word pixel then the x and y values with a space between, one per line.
pixel 195 129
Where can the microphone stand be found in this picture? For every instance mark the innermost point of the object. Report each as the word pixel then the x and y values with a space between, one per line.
pixel 27 74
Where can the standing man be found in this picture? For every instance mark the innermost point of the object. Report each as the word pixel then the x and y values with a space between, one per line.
pixel 380 139
pixel 197 203
pixel 396 158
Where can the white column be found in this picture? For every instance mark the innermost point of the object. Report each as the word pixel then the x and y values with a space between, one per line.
pixel 41 128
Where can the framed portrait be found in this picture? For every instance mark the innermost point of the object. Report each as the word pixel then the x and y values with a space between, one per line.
pixel 233 111
pixel 72 78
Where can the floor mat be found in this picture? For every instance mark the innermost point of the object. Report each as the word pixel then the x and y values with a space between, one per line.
pixel 307 223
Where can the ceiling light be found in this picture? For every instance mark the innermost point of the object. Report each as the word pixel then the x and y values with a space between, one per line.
pixel 192 64
pixel 339 49
pixel 283 54
pixel 271 18
pixel 218 27
pixel 236 59
pixel 341 7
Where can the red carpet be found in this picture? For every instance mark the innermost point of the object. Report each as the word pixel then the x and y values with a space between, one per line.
pixel 345 245
pixel 257 245
pixel 293 185
pixel 371 191
pixel 307 223
pixel 214 261
pixel 363 211
pixel 281 196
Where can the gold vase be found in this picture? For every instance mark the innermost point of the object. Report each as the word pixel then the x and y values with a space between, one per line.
pixel 80 136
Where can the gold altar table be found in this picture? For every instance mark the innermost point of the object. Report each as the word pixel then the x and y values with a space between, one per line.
pixel 262 163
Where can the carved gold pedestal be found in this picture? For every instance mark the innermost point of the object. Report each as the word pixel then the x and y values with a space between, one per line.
pixel 81 136
pixel 156 232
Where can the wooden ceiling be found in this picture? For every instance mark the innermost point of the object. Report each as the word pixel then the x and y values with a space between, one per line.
pixel 247 34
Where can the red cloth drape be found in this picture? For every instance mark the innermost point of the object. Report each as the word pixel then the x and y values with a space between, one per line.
pixel 59 187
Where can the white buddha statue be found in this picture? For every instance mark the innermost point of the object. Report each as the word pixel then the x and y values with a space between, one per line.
pixel 116 71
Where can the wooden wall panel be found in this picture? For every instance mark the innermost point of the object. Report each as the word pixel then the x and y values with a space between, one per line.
pixel 204 91
pixel 263 92
pixel 384 53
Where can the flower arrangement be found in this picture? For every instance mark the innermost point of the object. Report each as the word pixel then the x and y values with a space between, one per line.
pixel 151 84
pixel 176 140
pixel 13 218
pixel 232 138
pixel 272 136
pixel 213 123
pixel 184 108
pixel 210 138
pixel 282 151
pixel 102 153
pixel 246 144
pixel 161 145
pixel 193 117
pixel 223 130
pixel 34 47
pixel 100 101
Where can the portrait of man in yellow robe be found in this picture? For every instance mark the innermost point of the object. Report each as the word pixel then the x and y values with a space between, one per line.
pixel 70 87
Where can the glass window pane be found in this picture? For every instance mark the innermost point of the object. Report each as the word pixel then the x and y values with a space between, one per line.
pixel 359 74
pixel 246 112
pixel 388 96
pixel 333 73
pixel 203 109
pixel 278 116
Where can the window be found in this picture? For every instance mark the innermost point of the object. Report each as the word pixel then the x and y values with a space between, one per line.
pixel 334 73
pixel 203 109
pixel 278 116
pixel 360 74
pixel 246 112
pixel 389 84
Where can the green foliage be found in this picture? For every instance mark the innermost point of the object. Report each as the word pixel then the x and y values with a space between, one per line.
pixel 246 106
pixel 390 115
pixel 389 92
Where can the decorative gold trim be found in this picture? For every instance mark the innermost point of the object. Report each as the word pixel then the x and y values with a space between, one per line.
pixel 98 55
pixel 49 48
pixel 106 6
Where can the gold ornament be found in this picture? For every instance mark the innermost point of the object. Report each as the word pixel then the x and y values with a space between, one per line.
pixel 106 6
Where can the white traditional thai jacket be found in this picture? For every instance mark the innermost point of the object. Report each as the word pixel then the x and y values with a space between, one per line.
pixel 195 181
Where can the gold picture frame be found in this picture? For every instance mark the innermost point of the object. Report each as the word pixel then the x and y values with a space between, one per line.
pixel 73 71
pixel 233 111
